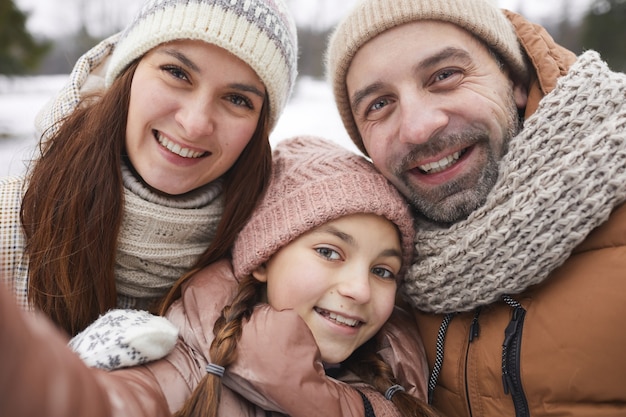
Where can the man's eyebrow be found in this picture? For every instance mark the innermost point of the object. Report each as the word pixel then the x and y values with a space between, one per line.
pixel 447 53
pixel 361 94
pixel 181 57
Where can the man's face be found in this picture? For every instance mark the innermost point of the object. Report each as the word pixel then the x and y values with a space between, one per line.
pixel 436 112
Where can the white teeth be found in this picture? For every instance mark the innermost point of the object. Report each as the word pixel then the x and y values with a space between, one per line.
pixel 343 320
pixel 177 149
pixel 440 165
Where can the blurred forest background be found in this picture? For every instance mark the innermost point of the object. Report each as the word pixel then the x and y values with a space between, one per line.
pixel 24 52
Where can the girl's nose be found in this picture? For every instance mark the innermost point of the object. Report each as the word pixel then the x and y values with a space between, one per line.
pixel 356 285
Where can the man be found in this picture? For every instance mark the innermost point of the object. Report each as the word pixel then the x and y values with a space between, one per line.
pixel 512 151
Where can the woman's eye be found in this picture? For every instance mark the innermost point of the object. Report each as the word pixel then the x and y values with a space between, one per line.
pixel 238 100
pixel 328 253
pixel 176 72
pixel 383 273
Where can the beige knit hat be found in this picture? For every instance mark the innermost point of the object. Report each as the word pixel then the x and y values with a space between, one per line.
pixel 313 182
pixel 369 18
pixel 261 33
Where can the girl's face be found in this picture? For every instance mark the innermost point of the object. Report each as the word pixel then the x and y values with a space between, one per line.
pixel 193 109
pixel 340 278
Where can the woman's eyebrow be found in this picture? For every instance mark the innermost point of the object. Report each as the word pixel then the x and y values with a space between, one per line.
pixel 248 88
pixel 191 65
pixel 181 57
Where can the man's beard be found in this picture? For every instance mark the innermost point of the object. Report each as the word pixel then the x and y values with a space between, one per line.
pixel 458 198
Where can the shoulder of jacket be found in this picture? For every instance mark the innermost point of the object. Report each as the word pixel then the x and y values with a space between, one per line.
pixel 548 59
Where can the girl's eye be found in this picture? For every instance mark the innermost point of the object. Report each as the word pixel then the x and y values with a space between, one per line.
pixel 383 273
pixel 328 253
pixel 242 101
pixel 176 72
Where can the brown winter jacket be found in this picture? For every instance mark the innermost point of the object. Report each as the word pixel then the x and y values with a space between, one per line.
pixel 278 366
pixel 572 345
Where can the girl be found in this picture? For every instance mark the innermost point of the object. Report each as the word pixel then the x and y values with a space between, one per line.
pixel 313 274
pixel 155 174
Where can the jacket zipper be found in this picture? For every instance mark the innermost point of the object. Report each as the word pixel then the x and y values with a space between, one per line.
pixel 473 334
pixel 511 358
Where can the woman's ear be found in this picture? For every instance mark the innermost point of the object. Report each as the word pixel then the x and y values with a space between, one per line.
pixel 260 273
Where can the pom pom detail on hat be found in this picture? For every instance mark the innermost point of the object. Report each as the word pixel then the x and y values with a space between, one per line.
pixel 261 33
pixel 313 182
pixel 370 18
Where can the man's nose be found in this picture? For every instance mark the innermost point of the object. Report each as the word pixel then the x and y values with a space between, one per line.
pixel 420 119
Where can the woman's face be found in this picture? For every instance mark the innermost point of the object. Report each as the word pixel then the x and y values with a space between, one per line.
pixel 193 109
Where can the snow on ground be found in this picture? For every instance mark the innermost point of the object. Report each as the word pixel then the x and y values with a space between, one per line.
pixel 311 111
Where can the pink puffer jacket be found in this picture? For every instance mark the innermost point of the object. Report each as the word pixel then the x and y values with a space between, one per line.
pixel 278 367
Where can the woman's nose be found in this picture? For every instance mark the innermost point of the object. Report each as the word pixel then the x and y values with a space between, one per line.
pixel 196 118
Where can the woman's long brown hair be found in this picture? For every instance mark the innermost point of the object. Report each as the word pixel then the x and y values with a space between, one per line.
pixel 73 207
pixel 72 210
pixel 364 362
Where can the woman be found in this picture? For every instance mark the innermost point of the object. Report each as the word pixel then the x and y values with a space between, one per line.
pixel 155 174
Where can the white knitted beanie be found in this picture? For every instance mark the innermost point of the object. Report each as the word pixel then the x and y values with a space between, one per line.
pixel 369 18
pixel 261 33
pixel 313 182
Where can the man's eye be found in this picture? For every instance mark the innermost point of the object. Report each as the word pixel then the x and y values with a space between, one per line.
pixel 445 74
pixel 378 105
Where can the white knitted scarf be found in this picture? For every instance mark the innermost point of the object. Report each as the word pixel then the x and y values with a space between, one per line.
pixel 562 176
pixel 161 238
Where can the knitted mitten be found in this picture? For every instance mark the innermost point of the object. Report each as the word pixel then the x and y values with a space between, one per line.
pixel 121 338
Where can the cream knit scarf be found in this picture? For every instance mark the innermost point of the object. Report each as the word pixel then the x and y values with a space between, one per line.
pixel 161 238
pixel 561 178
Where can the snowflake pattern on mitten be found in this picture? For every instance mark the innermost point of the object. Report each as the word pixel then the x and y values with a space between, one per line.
pixel 121 338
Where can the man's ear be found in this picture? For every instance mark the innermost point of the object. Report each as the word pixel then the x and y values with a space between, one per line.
pixel 260 273
pixel 520 94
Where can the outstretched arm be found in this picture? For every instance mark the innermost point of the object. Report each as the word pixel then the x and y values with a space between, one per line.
pixel 41 376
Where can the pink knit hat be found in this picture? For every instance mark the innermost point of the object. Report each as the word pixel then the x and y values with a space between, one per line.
pixel 313 182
